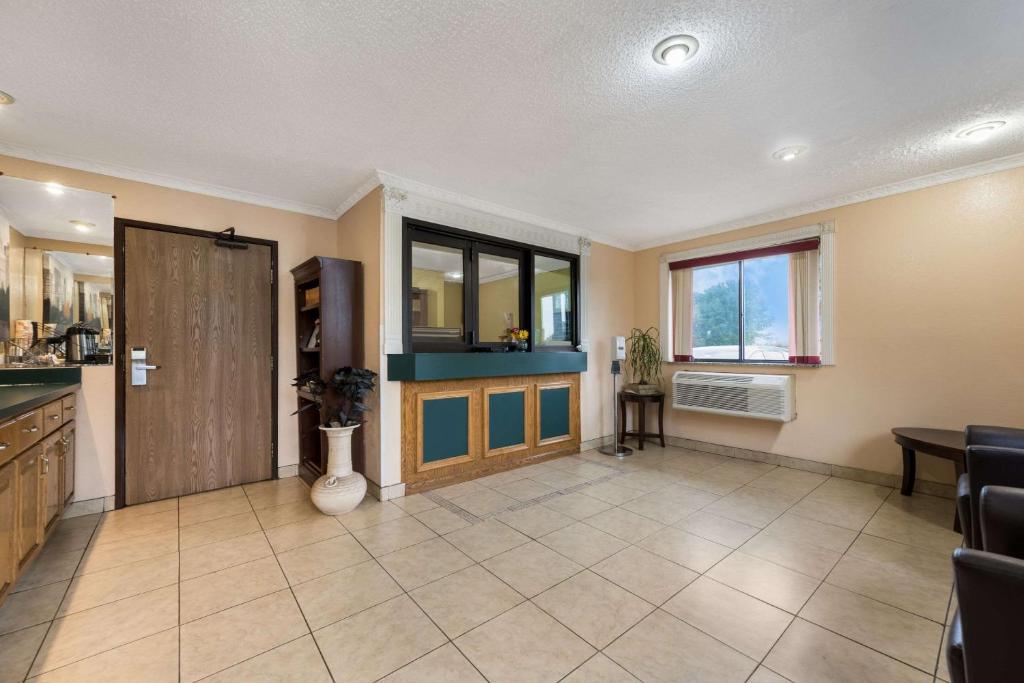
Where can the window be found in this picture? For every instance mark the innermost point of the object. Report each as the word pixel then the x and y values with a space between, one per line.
pixel 758 305
pixel 464 291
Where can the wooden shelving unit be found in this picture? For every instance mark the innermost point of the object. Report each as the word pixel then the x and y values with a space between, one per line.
pixel 339 309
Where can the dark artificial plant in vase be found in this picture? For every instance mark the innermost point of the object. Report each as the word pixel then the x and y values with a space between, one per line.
pixel 643 358
pixel 352 385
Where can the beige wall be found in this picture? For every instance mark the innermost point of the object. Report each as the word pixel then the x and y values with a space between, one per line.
pixel 929 326
pixel 299 237
pixel 359 239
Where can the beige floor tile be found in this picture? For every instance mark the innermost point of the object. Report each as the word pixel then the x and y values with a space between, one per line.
pixel 18 649
pixel 647 480
pixel 298 661
pixel 455 490
pixel 721 530
pixel 659 507
pixel 204 512
pixel 257 488
pixel 532 568
pixel 797 528
pixel 49 567
pixel 842 502
pixel 899 634
pixel 84 634
pixel 214 592
pixel 736 619
pixel 371 512
pixel 288 490
pixel 485 503
pixel 688 550
pixel 593 607
pixel 558 479
pixel 576 505
pixel 765 675
pixel 424 562
pixel 611 492
pixel 341 594
pixel 764 580
pixel 790 481
pixel 226 638
pixel 287 513
pixel 536 521
pixel 741 508
pixel 524 489
pixel 494 480
pixel 599 669
pixel 444 665
pixel 464 600
pixel 388 537
pixel 143 509
pixel 583 543
pixel 801 557
pixel 707 480
pixel 918 520
pixel 109 531
pixel 98 558
pixel 153 659
pixel 743 469
pixel 297 534
pixel 645 574
pixel 73 534
pixel 414 504
pixel 442 521
pixel 116 583
pixel 218 530
pixel 623 524
pixel 307 562
pixel 662 648
pixel 28 608
pixel 223 554
pixel 486 539
pixel 809 653
pixel 351 646
pixel 231 493
pixel 524 645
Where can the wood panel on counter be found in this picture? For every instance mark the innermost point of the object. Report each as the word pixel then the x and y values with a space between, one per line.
pixel 481 416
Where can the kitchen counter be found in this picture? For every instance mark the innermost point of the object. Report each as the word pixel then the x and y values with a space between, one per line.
pixel 22 389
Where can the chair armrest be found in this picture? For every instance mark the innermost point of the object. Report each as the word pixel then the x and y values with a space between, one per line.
pixel 988 435
pixel 963 509
pixel 955 651
pixel 990 591
pixel 991 466
pixel 1002 520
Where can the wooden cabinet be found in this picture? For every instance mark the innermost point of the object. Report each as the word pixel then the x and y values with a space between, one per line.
pixel 67 463
pixel 29 485
pixel 8 526
pixel 50 473
pixel 28 429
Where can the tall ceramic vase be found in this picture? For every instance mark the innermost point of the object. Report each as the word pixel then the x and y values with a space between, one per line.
pixel 340 490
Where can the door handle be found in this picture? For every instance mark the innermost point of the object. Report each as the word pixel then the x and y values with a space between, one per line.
pixel 140 367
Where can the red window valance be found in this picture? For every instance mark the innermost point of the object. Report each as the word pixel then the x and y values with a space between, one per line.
pixel 790 248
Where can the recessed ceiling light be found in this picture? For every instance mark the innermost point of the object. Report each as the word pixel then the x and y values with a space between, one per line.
pixel 453 275
pixel 54 188
pixel 675 50
pixel 83 226
pixel 980 132
pixel 789 153
pixel 6 98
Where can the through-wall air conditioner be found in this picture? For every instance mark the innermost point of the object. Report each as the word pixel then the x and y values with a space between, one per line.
pixel 764 397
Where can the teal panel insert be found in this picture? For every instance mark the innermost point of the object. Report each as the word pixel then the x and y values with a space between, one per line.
pixel 445 428
pixel 505 416
pixel 554 412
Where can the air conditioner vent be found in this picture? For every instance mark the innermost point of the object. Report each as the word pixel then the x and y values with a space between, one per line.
pixel 765 397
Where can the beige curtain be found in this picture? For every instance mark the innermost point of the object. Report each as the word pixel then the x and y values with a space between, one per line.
pixel 682 314
pixel 805 331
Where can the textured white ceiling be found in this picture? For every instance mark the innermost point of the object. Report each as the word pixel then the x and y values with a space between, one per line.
pixel 551 108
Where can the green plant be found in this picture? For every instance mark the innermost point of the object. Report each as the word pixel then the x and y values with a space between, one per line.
pixel 643 356
pixel 353 385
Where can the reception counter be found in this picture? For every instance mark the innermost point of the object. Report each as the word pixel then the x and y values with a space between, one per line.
pixel 466 415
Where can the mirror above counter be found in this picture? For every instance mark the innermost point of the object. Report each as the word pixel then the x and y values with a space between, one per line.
pixel 56 275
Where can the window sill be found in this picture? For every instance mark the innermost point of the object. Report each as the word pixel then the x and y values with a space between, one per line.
pixel 744 364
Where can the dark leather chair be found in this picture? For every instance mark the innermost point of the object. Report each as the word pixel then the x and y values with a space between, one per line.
pixel 995 457
pixel 987 632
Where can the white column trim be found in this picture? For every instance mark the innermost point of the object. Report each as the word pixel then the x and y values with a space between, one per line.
pixel 584 249
pixel 827 283
pixel 665 318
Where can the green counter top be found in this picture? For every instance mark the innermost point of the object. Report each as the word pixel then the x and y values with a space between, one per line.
pixel 22 389
pixel 417 367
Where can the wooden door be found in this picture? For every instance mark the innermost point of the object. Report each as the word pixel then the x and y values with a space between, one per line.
pixel 8 526
pixel 30 530
pixel 51 473
pixel 204 314
pixel 67 464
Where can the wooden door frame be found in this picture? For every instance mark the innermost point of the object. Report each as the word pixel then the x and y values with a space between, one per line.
pixel 120 367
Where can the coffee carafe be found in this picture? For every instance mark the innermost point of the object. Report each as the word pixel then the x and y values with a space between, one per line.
pixel 80 343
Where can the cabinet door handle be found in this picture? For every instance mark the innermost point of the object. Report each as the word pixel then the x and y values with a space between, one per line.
pixel 46 464
pixel 31 430
pixel 4 445
pixel 70 408
pixel 55 417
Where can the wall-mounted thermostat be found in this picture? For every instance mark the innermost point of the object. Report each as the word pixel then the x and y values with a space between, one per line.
pixel 619 345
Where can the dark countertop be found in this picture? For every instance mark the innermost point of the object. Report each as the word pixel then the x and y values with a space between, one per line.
pixel 415 367
pixel 22 389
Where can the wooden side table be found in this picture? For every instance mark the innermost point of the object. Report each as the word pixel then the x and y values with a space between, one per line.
pixel 640 431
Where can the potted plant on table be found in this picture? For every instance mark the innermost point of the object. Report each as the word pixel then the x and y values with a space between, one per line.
pixel 341 489
pixel 643 358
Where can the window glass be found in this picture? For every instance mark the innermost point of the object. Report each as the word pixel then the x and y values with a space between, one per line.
pixel 766 308
pixel 552 304
pixel 497 296
pixel 436 294
pixel 716 312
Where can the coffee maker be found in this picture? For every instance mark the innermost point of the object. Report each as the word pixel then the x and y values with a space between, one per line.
pixel 81 344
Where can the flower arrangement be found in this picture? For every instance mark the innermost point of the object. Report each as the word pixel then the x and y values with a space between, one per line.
pixel 517 334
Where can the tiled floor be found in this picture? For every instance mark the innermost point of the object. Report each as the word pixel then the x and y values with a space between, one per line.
pixel 671 565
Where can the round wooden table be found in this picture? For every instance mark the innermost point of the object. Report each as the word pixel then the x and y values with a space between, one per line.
pixel 942 443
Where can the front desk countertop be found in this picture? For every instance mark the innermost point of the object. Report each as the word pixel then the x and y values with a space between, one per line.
pixel 417 367
pixel 22 389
